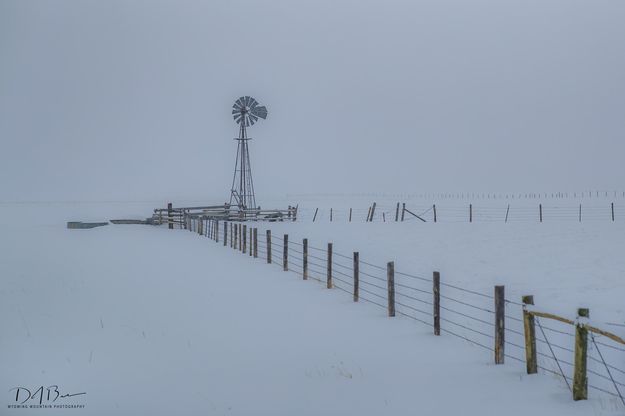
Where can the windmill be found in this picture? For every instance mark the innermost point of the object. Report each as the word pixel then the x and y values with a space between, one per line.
pixel 245 112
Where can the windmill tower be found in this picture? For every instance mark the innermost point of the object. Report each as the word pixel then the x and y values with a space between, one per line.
pixel 245 112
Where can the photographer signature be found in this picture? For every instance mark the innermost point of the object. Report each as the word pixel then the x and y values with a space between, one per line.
pixel 43 394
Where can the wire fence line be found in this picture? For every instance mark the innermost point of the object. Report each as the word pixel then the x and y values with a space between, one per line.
pixel 560 195
pixel 464 313
pixel 494 211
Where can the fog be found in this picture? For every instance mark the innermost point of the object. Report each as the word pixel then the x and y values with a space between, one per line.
pixel 131 100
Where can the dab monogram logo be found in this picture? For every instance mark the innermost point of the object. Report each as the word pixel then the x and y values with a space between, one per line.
pixel 41 397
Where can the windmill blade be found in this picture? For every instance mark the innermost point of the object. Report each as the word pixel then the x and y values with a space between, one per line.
pixel 260 111
pixel 246 111
pixel 253 103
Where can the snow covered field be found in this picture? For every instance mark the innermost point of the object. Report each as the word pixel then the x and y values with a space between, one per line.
pixel 150 321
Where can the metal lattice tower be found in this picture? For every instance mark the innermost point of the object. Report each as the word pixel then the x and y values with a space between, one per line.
pixel 245 112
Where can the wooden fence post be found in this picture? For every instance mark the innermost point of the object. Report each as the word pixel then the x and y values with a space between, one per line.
pixel 305 259
pixel 500 324
pixel 269 246
pixel 232 234
pixel 434 209
pixel 225 233
pixel 250 234
pixel 236 236
pixel 356 276
pixel 403 211
pixel 368 214
pixel 372 212
pixel 170 216
pixel 397 212
pixel 216 231
pixel 241 234
pixel 470 212
pixel 530 336
pixel 390 278
pixel 580 378
pixel 612 206
pixel 436 291
pixel 540 212
pixel 350 215
pixel 330 214
pixel 315 216
pixel 255 242
pixel 507 212
pixel 580 212
pixel 285 253
pixel 329 267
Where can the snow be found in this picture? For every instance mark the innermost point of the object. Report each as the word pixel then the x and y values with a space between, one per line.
pixel 151 321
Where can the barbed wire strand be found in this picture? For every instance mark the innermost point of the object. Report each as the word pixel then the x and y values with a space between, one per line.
pixel 552 353
pixel 607 369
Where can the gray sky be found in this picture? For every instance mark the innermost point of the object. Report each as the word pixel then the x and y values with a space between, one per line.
pixel 113 99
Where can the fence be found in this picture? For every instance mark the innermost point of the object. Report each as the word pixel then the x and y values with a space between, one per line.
pixel 180 217
pixel 584 194
pixel 582 356
pixel 399 212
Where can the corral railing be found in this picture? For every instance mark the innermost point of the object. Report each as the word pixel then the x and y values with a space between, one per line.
pixel 180 217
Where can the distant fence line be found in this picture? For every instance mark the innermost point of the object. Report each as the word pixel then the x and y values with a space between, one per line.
pixel 471 195
pixel 581 355
pixel 401 212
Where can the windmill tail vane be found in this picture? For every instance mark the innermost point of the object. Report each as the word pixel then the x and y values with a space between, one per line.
pixel 246 111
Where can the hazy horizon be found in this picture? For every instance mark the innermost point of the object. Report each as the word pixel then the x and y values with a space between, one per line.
pixel 131 100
